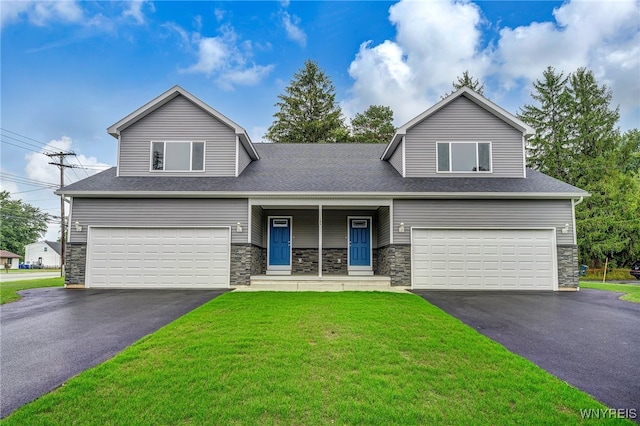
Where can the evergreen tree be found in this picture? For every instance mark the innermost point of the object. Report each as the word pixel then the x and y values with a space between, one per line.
pixel 308 112
pixel 629 151
pixel 592 128
pixel 468 81
pixel 375 125
pixel 549 149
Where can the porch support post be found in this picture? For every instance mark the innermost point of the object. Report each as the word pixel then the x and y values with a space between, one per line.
pixel 320 240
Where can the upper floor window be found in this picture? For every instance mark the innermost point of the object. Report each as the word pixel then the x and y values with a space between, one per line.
pixel 177 156
pixel 464 156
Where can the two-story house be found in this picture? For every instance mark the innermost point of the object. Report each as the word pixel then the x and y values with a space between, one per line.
pixel 448 203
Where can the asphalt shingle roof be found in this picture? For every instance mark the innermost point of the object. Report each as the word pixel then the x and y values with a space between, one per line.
pixel 291 168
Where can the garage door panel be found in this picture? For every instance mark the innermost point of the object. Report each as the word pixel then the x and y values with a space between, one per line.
pixel 477 259
pixel 158 257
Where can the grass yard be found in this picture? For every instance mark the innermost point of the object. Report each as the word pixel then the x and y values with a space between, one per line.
pixel 311 359
pixel 632 292
pixel 28 271
pixel 8 289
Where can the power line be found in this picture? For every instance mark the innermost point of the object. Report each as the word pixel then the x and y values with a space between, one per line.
pixel 31 190
pixel 28 181
pixel 27 143
pixel 23 147
pixel 23 136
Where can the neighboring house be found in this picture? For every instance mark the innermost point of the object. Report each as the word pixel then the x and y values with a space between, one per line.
pixel 447 204
pixel 9 258
pixel 45 253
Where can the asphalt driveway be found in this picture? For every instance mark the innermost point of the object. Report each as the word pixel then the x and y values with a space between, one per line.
pixel 589 339
pixel 52 334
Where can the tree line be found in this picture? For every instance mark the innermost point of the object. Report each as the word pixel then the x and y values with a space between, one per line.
pixel 577 141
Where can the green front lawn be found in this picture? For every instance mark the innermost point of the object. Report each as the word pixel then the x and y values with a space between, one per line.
pixel 312 358
pixel 632 292
pixel 8 289
pixel 28 271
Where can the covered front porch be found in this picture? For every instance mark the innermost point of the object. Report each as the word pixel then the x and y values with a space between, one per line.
pixel 315 240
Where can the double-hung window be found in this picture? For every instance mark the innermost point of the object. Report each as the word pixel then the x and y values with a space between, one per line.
pixel 177 156
pixel 464 157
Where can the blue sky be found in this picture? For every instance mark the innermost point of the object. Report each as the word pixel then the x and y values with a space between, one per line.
pixel 71 69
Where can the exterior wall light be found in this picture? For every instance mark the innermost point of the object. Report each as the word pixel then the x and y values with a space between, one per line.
pixel 238 227
pixel 78 227
pixel 401 227
pixel 565 230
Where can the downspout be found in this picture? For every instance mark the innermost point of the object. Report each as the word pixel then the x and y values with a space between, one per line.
pixel 573 214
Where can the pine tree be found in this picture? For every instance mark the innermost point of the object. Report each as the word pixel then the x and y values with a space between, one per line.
pixel 468 81
pixel 592 127
pixel 308 112
pixel 549 149
pixel 375 125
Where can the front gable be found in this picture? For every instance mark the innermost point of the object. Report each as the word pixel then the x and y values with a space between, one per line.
pixel 462 120
pixel 178 123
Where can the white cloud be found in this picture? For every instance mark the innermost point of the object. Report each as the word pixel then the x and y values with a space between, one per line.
pixel 38 167
pixel 602 36
pixel 135 10
pixel 41 12
pixel 436 41
pixel 294 32
pixel 224 58
pixel 212 53
pixel 12 187
pixel 243 77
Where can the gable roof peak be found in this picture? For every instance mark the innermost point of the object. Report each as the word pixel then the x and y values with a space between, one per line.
pixel 115 129
pixel 474 97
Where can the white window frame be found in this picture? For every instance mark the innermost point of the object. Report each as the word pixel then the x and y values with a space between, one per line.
pixel 477 157
pixel 164 152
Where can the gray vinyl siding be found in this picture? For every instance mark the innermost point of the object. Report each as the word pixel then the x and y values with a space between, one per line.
pixel 482 214
pixel 383 226
pixel 243 158
pixel 257 226
pixel 463 121
pixel 159 213
pixel 334 227
pixel 396 159
pixel 178 120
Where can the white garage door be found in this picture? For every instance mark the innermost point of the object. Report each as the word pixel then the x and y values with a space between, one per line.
pixel 158 258
pixel 484 259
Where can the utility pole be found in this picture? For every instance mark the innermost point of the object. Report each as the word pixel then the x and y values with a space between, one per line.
pixel 63 234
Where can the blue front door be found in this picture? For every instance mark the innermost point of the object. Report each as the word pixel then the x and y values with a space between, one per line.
pixel 359 242
pixel 279 242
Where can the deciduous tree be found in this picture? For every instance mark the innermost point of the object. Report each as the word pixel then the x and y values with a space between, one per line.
pixel 20 224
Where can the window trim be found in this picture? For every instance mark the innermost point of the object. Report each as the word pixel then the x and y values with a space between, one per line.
pixel 477 157
pixel 164 151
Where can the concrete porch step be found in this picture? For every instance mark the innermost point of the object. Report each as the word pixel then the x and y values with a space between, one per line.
pixel 332 283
